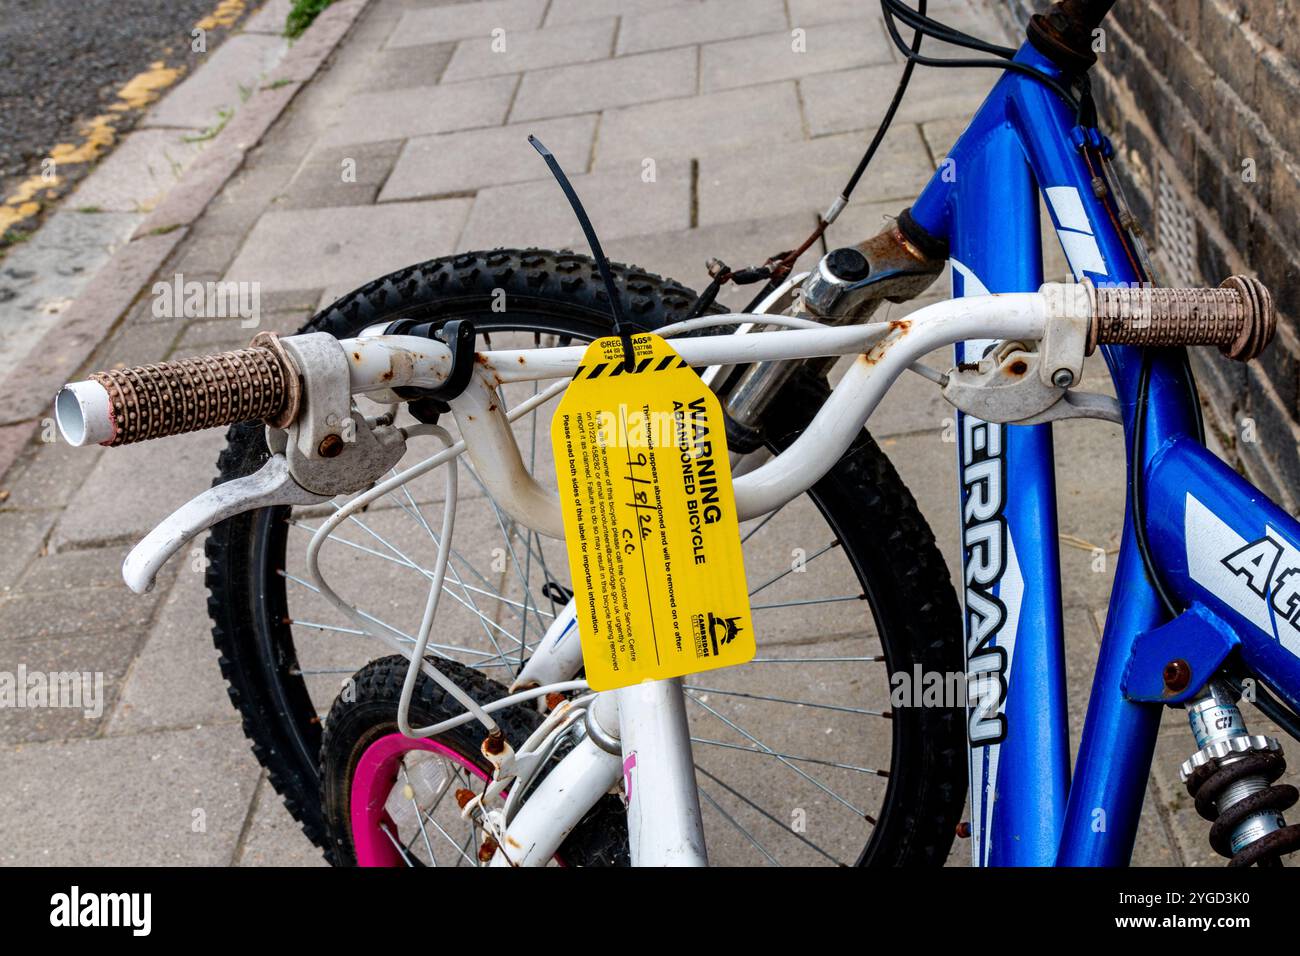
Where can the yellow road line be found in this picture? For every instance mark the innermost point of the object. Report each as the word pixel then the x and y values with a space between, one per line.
pixel 100 133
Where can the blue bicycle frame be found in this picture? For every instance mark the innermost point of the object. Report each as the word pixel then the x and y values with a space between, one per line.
pixel 1229 555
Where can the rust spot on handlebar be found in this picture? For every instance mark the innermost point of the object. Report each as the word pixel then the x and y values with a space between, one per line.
pixel 898 328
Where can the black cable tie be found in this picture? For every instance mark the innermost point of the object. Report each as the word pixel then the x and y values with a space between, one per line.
pixel 602 264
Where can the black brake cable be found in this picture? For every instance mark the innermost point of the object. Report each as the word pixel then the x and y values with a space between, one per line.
pixel 1081 104
pixel 1137 491
pixel 923 26
pixel 781 264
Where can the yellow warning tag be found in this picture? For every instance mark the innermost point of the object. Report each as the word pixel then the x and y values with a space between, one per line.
pixel 649 518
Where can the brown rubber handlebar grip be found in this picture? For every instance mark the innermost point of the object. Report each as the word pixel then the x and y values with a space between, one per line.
pixel 1238 317
pixel 170 398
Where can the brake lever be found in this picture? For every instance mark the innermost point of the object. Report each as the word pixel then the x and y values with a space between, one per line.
pixel 270 485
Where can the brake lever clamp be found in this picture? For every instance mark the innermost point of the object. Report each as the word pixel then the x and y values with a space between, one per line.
pixel 1017 384
pixel 331 449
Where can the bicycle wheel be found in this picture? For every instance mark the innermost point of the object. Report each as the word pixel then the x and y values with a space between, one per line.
pixel 800 756
pixel 390 800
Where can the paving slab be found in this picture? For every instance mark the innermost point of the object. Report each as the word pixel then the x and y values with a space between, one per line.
pixel 852 99
pixel 176 797
pixel 29 615
pixel 133 487
pixel 617 200
pixel 458 21
pixel 23 533
pixel 515 51
pixel 340 176
pixel 793 53
pixel 812 12
pixel 405 67
pixel 273 837
pixel 568 11
pixel 304 248
pixel 683 255
pixel 686 24
pixel 87 671
pixel 175 681
pixel 41 278
pixel 605 84
pixel 467 161
pixel 808 175
pixel 221 81
pixel 941 134
pixel 753 117
pixel 418 111
pixel 269 18
pixel 138 173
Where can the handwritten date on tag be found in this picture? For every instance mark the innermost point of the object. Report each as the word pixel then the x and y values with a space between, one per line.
pixel 649 518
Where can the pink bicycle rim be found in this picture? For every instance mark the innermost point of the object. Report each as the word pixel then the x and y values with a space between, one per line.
pixel 371 784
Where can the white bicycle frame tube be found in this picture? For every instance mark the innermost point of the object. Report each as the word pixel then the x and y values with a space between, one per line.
pixel 664 824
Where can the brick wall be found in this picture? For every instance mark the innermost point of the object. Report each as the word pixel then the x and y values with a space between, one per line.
pixel 1202 100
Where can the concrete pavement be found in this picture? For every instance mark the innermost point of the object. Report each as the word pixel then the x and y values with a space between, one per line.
pixel 410 144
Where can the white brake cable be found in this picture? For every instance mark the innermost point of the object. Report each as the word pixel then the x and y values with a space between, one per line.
pixel 786 321
pixel 392 637
pixel 872 332
pixel 431 608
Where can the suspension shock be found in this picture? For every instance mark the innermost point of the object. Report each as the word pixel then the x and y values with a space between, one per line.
pixel 1232 780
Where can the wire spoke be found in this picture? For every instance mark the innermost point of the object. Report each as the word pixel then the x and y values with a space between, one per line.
pixel 450 648
pixel 790 570
pixel 488 622
pixel 397 844
pixel 419 816
pixel 780 757
pixel 807 601
pixel 496 596
pixel 514 558
pixel 787 700
pixel 455 845
pixel 867 659
pixel 766 813
pixel 767 752
pixel 473 605
pixel 753 840
pixel 369 617
pixel 759 527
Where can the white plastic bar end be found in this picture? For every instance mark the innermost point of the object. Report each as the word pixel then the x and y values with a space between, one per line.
pixel 84 414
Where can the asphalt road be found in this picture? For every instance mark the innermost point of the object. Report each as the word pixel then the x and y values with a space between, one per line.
pixel 61 62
